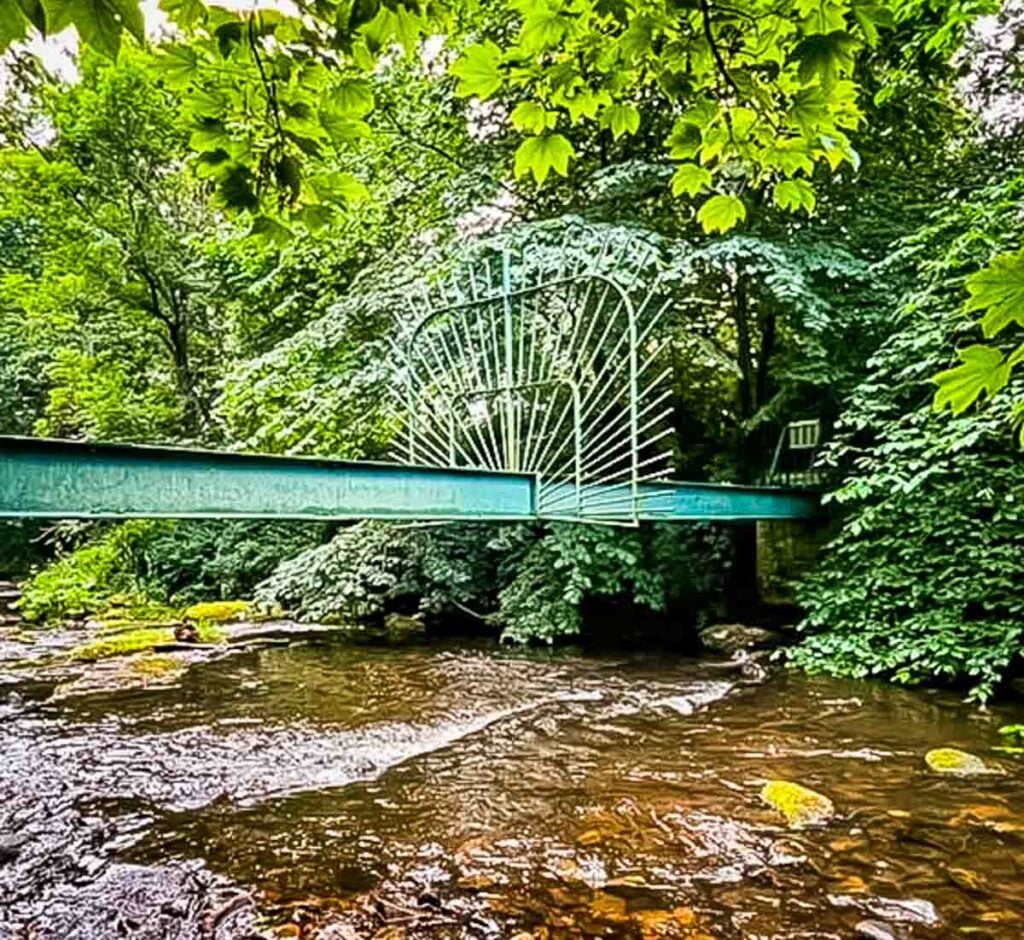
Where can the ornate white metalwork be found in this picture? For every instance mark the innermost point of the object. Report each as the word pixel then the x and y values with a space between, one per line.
pixel 561 377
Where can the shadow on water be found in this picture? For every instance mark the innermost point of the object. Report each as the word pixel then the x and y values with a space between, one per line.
pixel 466 791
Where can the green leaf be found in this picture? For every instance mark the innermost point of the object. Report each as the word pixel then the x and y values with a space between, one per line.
pixel 544 26
pixel 314 216
pixel 186 13
pixel 288 175
pixel 621 119
pixel 691 179
pixel 790 156
pixel 212 163
pixel 721 213
pixel 983 369
pixel 335 186
pixel 13 24
pixel 352 98
pixel 998 290
pixel 479 71
pixel 825 57
pixel 177 65
pixel 533 118
pixel 540 155
pixel 209 135
pixel 236 190
pixel 585 104
pixel 793 195
pixel 871 17
pixel 34 12
pixel 684 142
pixel 343 131
pixel 269 230
pixel 99 23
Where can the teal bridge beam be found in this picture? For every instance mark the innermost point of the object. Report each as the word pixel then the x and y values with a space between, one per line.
pixel 53 479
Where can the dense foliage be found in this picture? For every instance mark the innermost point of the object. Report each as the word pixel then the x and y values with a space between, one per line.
pixel 209 233
pixel 924 580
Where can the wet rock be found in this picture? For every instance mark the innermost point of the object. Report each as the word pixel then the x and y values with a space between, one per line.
pixel 731 638
pixel 968 880
pixel 337 932
pixel 800 806
pixel 10 846
pixel 878 930
pixel 956 763
pixel 892 910
pixel 178 901
pixel 403 629
pixel 186 633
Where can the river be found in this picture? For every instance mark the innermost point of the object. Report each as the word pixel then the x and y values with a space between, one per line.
pixel 331 791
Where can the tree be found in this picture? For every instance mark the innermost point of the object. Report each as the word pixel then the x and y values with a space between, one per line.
pixel 119 271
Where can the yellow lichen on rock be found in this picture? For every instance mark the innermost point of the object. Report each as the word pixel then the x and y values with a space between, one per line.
pixel 218 611
pixel 949 760
pixel 800 806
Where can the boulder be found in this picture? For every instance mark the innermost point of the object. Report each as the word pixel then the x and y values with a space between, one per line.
pixel 955 763
pixel 731 638
pixel 801 807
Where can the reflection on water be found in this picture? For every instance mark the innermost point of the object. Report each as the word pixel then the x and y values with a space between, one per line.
pixel 447 792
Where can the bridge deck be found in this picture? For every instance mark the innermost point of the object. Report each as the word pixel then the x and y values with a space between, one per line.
pixel 51 479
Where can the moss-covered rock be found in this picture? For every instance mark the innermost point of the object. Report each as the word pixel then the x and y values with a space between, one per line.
pixel 123 642
pixel 218 611
pixel 800 806
pixel 956 763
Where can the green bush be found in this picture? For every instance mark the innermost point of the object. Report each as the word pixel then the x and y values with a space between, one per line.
pixel 372 568
pixel 550 578
pixel 84 580
pixel 220 560
pixel 528 582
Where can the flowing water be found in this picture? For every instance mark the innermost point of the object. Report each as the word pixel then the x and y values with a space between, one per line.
pixel 334 791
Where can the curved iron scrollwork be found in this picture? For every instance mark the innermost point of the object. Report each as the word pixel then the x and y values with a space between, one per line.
pixel 560 377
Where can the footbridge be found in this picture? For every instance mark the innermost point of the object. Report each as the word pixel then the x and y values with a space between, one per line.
pixel 520 393
pixel 52 479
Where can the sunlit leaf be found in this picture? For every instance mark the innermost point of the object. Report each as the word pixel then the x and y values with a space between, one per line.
pixel 478 71
pixel 531 117
pixel 722 213
pixel 621 119
pixel 795 194
pixel 998 291
pixel 983 369
pixel 540 155
pixel 690 179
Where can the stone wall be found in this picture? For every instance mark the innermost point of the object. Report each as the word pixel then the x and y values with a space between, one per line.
pixel 785 550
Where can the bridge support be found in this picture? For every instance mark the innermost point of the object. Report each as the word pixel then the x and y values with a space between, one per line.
pixel 786 550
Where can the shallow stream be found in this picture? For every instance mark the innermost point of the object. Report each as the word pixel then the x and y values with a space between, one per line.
pixel 330 791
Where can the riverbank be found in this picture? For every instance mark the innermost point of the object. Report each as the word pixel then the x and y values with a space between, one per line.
pixel 323 790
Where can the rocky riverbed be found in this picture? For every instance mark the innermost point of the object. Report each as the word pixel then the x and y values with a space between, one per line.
pixel 287 783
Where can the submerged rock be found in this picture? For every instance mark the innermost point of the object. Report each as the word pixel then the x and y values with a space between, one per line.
pixel 892 910
pixel 949 760
pixel 800 806
pixel 731 638
pixel 879 930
